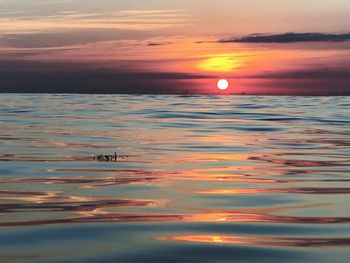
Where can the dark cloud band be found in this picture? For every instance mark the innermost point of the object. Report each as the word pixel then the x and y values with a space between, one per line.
pixel 289 38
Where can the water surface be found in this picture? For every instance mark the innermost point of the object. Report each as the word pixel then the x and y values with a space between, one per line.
pixel 207 179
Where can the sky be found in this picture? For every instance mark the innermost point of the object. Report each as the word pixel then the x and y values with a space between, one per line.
pixel 175 47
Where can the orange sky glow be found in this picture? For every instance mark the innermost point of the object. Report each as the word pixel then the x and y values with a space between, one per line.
pixel 191 46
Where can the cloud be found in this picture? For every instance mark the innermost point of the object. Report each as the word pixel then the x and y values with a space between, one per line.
pixel 68 38
pixel 59 77
pixel 69 27
pixel 151 44
pixel 55 77
pixel 309 81
pixel 289 38
pixel 311 73
pixel 72 20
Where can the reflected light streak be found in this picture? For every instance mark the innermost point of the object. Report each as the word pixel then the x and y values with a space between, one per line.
pixel 263 240
pixel 294 190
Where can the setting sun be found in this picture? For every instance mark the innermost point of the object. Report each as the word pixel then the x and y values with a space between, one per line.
pixel 223 84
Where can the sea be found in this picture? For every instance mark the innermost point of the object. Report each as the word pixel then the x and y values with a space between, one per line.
pixel 157 178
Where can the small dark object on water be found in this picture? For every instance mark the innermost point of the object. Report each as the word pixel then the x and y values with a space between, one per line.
pixel 109 157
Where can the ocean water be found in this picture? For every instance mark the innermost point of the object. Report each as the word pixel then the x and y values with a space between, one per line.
pixel 203 178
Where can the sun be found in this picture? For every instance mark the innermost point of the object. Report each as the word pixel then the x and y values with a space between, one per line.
pixel 223 84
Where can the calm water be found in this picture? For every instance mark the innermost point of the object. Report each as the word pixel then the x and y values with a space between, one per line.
pixel 208 179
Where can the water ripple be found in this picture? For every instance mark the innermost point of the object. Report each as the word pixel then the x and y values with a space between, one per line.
pixel 232 177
